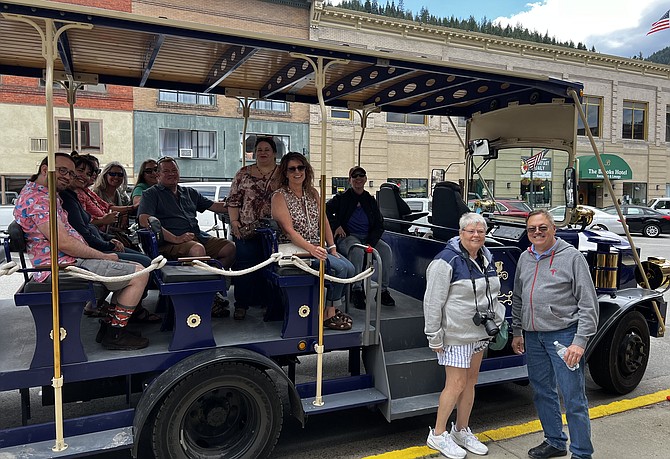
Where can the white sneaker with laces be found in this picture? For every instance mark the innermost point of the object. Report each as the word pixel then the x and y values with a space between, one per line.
pixel 445 445
pixel 466 439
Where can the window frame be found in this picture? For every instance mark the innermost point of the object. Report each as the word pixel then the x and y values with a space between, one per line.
pixel 185 138
pixel 644 108
pixel 251 155
pixel 587 103
pixel 83 149
pixel 200 99
pixel 406 117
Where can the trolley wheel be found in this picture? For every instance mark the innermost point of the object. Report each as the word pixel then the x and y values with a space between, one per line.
pixel 620 360
pixel 230 410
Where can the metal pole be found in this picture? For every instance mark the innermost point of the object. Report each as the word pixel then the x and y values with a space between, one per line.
pixel 246 104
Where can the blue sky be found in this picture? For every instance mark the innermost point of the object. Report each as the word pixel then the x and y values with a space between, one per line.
pixel 615 27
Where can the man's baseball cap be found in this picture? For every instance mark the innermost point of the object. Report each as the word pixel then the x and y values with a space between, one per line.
pixel 356 170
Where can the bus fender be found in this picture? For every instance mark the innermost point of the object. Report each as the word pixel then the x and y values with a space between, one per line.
pixel 613 308
pixel 160 386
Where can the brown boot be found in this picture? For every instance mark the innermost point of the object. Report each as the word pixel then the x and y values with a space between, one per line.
pixel 120 339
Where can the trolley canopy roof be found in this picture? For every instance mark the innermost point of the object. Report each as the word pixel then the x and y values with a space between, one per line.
pixel 131 50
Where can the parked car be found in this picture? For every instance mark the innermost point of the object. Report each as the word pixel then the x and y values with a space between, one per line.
pixel 508 207
pixel 645 220
pixel 209 221
pixel 661 204
pixel 601 220
pixel 420 205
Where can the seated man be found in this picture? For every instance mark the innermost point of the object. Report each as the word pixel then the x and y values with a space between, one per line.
pixel 32 213
pixel 176 208
pixel 354 217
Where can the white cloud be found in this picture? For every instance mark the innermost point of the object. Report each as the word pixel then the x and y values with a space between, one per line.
pixel 612 26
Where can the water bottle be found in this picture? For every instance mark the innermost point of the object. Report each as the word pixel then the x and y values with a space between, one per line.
pixel 561 350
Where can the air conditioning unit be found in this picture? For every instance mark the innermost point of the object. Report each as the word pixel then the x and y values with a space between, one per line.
pixel 186 153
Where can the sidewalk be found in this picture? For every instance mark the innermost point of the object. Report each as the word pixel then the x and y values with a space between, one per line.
pixel 628 428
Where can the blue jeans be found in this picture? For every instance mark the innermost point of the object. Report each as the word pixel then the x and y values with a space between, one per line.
pixel 357 255
pixel 339 267
pixel 251 289
pixel 546 370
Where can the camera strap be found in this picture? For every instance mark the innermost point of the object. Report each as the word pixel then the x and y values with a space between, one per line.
pixel 482 265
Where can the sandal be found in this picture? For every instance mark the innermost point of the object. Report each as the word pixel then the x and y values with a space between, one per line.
pixel 143 315
pixel 337 322
pixel 346 316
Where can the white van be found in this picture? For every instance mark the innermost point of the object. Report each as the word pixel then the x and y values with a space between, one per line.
pixel 217 224
pixel 661 204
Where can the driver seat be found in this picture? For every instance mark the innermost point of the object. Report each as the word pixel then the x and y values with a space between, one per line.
pixel 391 205
pixel 448 208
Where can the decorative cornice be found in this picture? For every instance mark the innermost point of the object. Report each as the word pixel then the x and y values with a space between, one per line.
pixel 338 16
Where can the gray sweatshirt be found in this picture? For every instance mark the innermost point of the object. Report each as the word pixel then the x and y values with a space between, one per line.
pixel 554 293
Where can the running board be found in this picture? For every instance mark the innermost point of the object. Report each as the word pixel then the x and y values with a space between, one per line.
pixel 78 446
pixel 427 403
pixel 343 401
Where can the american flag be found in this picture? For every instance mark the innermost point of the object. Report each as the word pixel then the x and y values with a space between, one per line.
pixel 662 24
pixel 533 161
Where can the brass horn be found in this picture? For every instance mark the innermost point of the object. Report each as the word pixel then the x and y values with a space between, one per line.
pixel 658 273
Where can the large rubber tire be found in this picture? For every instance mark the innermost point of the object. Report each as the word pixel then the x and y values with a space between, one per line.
pixel 651 230
pixel 230 410
pixel 620 360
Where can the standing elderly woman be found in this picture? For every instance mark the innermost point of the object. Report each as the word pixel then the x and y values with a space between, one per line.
pixel 248 202
pixel 462 283
pixel 111 186
pixel 295 206
pixel 146 177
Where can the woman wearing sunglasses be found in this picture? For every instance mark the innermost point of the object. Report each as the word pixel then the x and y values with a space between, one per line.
pixel 111 186
pixel 295 206
pixel 146 177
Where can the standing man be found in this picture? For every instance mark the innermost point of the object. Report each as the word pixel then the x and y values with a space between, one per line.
pixel 176 208
pixel 32 212
pixel 554 300
pixel 355 218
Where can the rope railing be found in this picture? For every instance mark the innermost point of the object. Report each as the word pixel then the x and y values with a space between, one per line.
pixel 156 263
pixel 299 263
pixel 9 268
pixel 229 272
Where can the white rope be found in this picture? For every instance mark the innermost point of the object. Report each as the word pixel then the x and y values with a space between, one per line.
pixel 156 263
pixel 229 272
pixel 9 268
pixel 298 263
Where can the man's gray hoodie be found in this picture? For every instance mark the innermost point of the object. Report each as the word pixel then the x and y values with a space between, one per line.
pixel 554 293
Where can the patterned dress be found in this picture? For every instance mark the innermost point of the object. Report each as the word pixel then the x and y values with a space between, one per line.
pixel 251 195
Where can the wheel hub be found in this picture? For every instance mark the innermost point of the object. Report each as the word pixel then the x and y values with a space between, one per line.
pixel 634 353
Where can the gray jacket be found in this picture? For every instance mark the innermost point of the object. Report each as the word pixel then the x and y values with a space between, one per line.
pixel 554 293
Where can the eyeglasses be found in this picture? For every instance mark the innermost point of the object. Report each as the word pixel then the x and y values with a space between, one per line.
pixel 151 170
pixel 534 229
pixel 65 171
pixel 115 174
pixel 473 232
pixel 96 172
pixel 296 168
pixel 358 175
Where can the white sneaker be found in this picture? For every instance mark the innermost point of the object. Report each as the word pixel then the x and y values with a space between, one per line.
pixel 445 445
pixel 468 440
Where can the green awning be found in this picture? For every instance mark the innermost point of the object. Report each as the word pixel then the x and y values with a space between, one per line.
pixel 615 166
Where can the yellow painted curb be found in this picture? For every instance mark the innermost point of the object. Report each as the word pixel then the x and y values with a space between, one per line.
pixel 507 432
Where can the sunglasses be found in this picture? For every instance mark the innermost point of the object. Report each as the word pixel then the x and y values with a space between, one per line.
pixel 296 168
pixel 357 175
pixel 96 171
pixel 151 170
pixel 541 229
pixel 115 174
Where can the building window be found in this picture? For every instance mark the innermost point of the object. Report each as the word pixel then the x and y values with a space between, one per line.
pixel 592 109
pixel 411 188
pixel 270 105
pixel 341 114
pixel 87 136
pixel 186 97
pixel 634 120
pixel 340 184
pixel 283 143
pixel 185 143
pixel 667 123
pixel 406 118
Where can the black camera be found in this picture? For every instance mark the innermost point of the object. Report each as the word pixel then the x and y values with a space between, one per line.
pixel 486 319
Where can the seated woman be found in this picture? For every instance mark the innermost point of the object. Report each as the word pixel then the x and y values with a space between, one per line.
pixel 111 186
pixel 295 206
pixel 101 215
pixel 81 220
pixel 146 177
